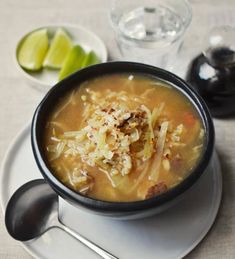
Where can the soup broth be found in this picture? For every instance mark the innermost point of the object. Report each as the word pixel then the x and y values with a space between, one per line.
pixel 123 138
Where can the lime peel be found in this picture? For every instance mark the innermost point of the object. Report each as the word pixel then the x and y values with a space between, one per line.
pixel 90 59
pixel 73 61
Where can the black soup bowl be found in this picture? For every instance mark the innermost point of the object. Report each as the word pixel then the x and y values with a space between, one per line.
pixel 120 210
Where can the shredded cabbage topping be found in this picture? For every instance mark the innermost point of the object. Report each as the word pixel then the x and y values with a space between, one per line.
pixel 118 132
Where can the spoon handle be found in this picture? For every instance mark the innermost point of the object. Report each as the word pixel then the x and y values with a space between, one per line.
pixel 97 249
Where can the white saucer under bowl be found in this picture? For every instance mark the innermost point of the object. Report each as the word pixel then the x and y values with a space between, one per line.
pixel 46 78
pixel 169 235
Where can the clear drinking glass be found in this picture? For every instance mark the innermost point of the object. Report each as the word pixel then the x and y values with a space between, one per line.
pixel 150 31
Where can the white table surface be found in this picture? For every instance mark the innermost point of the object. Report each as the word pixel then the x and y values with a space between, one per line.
pixel 18 100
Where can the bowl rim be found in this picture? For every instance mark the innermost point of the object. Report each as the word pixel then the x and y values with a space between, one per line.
pixel 109 206
pixel 55 25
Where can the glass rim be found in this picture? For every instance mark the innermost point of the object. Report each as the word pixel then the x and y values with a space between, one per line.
pixel 186 21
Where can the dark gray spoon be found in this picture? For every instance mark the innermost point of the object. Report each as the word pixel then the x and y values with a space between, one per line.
pixel 33 209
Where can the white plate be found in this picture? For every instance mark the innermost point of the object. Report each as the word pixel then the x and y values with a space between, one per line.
pixel 46 78
pixel 169 235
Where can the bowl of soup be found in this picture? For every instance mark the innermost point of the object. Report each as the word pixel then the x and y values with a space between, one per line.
pixel 122 139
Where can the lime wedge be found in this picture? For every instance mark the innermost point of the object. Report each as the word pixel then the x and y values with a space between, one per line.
pixel 33 50
pixel 90 59
pixel 59 49
pixel 73 61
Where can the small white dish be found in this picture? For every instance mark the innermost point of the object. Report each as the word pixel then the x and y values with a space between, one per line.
pixel 169 235
pixel 46 78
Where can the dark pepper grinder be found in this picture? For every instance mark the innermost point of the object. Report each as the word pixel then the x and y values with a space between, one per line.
pixel 212 73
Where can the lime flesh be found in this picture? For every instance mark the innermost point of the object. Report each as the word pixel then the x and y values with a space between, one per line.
pixel 73 61
pixel 60 46
pixel 33 50
pixel 90 59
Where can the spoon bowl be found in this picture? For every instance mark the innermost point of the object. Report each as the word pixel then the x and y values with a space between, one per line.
pixel 33 209
pixel 22 219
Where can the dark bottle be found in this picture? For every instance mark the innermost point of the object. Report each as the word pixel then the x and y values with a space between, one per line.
pixel 212 75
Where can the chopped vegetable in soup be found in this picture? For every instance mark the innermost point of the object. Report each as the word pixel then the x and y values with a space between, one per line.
pixel 123 138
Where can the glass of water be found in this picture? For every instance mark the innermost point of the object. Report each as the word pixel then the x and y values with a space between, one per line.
pixel 150 31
